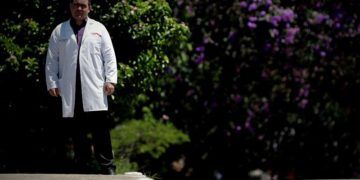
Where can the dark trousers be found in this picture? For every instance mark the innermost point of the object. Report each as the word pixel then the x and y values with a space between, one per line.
pixel 90 135
pixel 91 129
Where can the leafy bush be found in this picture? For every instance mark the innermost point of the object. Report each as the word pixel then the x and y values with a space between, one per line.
pixel 148 136
pixel 146 39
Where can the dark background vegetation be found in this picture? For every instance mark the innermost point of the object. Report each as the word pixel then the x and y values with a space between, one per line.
pixel 226 86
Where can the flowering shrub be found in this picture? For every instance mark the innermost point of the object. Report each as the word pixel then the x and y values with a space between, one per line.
pixel 269 84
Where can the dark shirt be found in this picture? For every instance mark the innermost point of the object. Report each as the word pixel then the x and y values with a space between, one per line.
pixel 79 32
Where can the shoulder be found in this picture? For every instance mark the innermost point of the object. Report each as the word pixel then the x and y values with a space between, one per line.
pixel 96 24
pixel 60 27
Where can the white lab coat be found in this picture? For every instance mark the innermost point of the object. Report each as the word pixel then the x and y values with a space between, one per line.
pixel 97 65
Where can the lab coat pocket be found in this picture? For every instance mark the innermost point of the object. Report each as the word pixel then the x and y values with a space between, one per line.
pixel 94 43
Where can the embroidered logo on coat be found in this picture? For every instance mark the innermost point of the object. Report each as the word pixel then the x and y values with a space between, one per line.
pixel 97 34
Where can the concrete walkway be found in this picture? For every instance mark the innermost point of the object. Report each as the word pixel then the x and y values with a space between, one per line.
pixel 126 176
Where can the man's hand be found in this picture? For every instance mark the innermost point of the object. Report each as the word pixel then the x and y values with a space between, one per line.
pixel 54 92
pixel 109 88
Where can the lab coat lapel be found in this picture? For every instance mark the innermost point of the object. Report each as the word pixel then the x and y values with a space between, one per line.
pixel 68 32
pixel 87 30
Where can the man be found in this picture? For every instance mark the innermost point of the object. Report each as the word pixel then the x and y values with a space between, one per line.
pixel 81 69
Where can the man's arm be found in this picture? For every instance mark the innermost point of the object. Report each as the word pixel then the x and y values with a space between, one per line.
pixel 52 66
pixel 108 53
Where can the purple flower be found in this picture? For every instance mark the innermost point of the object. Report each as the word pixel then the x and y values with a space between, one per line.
pixel 302 104
pixel 287 15
pixel 303 92
pixel 253 18
pixel 232 35
pixel 251 25
pixel 212 22
pixel 236 98
pixel 316 47
pixel 200 59
pixel 238 128
pixel 268 2
pixel 262 13
pixel 274 33
pixel 265 74
pixel 306 90
pixel 243 4
pixel 207 40
pixel 322 53
pixel 319 4
pixel 339 15
pixel 319 18
pixel 267 48
pixel 274 20
pixel 200 48
pixel 250 114
pixel 290 35
pixel 261 137
pixel 265 107
pixel 247 124
pixel 252 7
pixel 249 127
pixel 190 92
pixel 180 2
pixel 338 25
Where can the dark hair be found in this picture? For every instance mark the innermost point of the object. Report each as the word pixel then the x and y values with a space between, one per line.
pixel 89 1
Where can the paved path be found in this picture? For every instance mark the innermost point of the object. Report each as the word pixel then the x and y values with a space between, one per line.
pixel 127 176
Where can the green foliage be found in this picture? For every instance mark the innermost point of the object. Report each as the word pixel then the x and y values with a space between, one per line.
pixel 145 35
pixel 21 47
pixel 147 39
pixel 147 136
pixel 123 165
pixel 148 36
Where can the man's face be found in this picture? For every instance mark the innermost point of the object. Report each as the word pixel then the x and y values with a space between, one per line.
pixel 79 9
